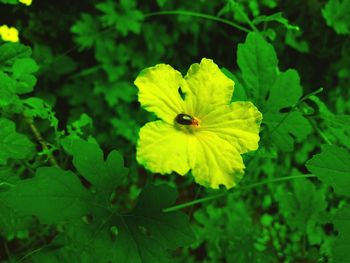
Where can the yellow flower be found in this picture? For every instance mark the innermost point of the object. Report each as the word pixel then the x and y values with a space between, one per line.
pixel 26 2
pixel 9 33
pixel 202 132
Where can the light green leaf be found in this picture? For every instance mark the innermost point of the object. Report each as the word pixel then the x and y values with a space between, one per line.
pixel 12 144
pixel 337 15
pixel 22 71
pixel 10 52
pixel 332 167
pixel 239 93
pixel 11 2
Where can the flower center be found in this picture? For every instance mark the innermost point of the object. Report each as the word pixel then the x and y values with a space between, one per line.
pixel 185 119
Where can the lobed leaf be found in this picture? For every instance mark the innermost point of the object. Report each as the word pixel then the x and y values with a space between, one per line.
pixel 332 167
pixel 12 144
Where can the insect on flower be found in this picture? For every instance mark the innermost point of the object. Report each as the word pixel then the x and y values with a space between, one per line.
pixel 186 119
pixel 199 129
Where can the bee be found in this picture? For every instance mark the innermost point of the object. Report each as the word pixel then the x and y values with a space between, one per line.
pixel 185 119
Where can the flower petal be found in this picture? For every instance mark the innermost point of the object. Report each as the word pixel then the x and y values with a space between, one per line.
pixel 163 149
pixel 238 123
pixel 214 161
pixel 158 91
pixel 206 87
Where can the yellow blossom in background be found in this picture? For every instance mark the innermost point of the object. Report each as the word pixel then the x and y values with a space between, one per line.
pixel 199 129
pixel 26 2
pixel 9 33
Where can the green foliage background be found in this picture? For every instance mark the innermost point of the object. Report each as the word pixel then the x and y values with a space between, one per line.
pixel 70 187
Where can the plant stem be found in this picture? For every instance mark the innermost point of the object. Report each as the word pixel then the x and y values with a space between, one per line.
pixel 216 196
pixel 41 140
pixel 201 15
pixel 249 22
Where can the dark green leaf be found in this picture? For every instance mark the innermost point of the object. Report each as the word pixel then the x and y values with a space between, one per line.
pixel 12 144
pixel 258 63
pixel 341 245
pixel 332 167
pixel 53 195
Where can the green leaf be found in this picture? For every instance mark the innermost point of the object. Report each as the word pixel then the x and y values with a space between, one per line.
pixel 341 245
pixel 337 15
pixel 22 71
pixel 12 144
pixel 303 206
pixel 86 31
pixel 76 128
pixel 53 195
pixel 11 2
pixel 294 39
pixel 228 233
pixel 239 93
pixel 285 93
pixel 143 236
pixel 36 107
pixel 332 167
pixel 336 127
pixel 10 52
pixel 125 18
pixel 257 61
pixel 273 92
pixel 162 3
pixel 104 175
pixel 7 90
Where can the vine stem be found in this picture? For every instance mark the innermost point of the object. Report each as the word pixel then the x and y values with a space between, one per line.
pixel 201 15
pixel 245 187
pixel 40 139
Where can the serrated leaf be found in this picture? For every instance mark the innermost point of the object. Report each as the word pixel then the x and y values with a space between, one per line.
pixel 142 236
pixel 36 107
pixel 10 52
pixel 332 167
pixel 55 196
pixel 341 245
pixel 12 144
pixel 125 19
pixel 285 93
pixel 285 127
pixel 86 31
pixel 303 206
pixel 273 91
pixel 104 175
pixel 257 61
pixel 337 15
